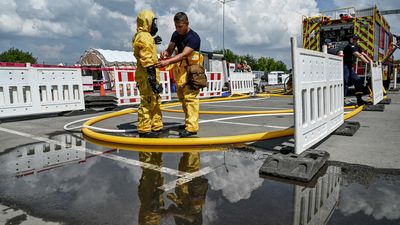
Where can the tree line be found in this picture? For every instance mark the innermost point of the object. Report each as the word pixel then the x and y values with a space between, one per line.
pixel 16 55
pixel 264 64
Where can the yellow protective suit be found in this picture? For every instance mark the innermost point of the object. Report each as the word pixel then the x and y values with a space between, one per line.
pixel 151 197
pixel 145 51
pixel 186 95
pixel 189 197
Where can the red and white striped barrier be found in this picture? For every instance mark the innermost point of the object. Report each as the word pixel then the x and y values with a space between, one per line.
pixel 127 91
pixel 214 85
pixel 126 88
pixel 165 82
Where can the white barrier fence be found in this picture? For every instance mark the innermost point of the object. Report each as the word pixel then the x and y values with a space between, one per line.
pixel 241 82
pixel 272 79
pixel 42 156
pixel 127 91
pixel 377 83
pixel 315 205
pixel 275 78
pixel 37 90
pixel 214 85
pixel 318 95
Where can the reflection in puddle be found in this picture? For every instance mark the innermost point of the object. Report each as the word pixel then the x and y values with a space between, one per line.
pixel 42 156
pixel 187 199
pixel 129 187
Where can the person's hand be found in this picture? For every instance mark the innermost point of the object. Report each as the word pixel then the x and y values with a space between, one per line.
pixel 162 63
pixel 164 54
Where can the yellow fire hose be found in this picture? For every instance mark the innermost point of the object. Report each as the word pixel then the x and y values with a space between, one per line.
pixel 173 142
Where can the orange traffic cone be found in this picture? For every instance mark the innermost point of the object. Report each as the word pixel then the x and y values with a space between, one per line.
pixel 102 91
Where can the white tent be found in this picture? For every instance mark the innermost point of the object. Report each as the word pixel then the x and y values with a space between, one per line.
pixel 107 58
pixel 100 60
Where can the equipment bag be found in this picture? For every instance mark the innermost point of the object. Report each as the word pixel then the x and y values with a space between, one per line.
pixel 196 75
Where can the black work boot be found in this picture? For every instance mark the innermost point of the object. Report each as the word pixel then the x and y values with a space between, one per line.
pixel 149 135
pixel 182 127
pixel 360 101
pixel 186 133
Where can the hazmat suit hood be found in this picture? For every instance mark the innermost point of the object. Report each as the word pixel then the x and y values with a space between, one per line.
pixel 144 21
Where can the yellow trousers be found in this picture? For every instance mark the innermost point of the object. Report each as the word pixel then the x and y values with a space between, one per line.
pixel 190 105
pixel 149 113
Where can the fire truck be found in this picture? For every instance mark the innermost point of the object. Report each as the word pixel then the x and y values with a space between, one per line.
pixel 339 25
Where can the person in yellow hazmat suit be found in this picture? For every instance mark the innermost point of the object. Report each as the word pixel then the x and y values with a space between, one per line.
pixel 147 75
pixel 150 196
pixel 188 199
pixel 187 42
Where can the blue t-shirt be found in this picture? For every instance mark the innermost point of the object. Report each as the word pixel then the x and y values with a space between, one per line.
pixel 190 39
pixel 348 57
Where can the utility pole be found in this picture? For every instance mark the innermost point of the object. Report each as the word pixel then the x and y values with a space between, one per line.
pixel 223 23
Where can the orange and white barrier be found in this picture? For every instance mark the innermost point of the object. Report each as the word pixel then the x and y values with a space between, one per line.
pixel 126 88
pixel 127 91
pixel 214 85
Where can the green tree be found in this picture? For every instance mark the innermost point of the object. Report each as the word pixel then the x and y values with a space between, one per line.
pixel 280 66
pixel 260 64
pixel 16 55
pixel 229 55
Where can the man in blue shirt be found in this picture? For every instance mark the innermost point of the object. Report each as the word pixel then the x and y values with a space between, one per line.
pixel 350 53
pixel 187 43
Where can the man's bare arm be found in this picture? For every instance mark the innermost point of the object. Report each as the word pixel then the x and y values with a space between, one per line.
pixel 366 56
pixel 360 56
pixel 168 52
pixel 179 57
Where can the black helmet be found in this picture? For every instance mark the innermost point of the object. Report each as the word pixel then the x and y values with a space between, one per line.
pixel 355 36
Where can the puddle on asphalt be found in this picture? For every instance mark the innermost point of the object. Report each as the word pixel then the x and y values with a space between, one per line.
pixel 63 182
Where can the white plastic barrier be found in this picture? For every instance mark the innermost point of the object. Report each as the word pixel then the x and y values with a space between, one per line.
pixel 315 205
pixel 127 91
pixel 214 85
pixel 272 79
pixel 318 95
pixel 37 90
pixel 241 82
pixel 377 83
pixel 38 157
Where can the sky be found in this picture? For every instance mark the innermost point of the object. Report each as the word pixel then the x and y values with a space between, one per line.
pixel 58 31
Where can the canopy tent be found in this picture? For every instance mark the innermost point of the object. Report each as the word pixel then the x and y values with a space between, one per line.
pixel 97 63
pixel 107 58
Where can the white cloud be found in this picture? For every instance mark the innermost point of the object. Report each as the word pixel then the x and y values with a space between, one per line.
pixel 240 180
pixel 380 200
pixel 256 27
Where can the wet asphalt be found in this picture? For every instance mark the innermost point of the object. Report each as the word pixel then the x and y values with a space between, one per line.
pixel 49 176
